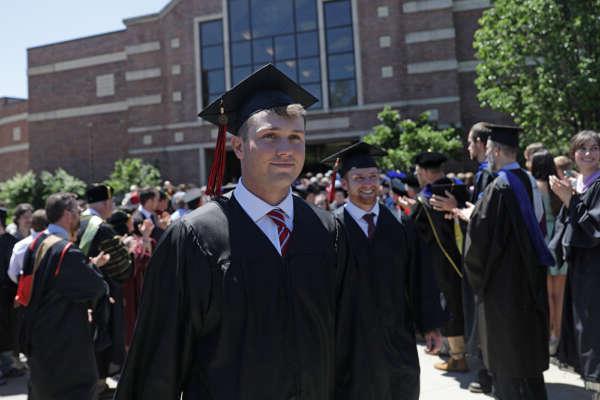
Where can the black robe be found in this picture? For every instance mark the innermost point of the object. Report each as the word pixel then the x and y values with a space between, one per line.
pixel 7 295
pixel 446 276
pixel 62 361
pixel 503 269
pixel 225 317
pixel 577 240
pixel 109 317
pixel 397 296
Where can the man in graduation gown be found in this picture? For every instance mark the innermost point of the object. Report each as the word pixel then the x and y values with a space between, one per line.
pixel 7 295
pixel 56 289
pixel 397 295
pixel 505 262
pixel 442 252
pixel 245 297
pixel 96 235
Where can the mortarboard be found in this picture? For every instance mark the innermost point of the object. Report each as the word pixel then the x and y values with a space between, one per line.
pixel 265 89
pixel 411 180
pixel 398 187
pixel 192 194
pixel 357 155
pixel 507 135
pixel 98 192
pixel 430 159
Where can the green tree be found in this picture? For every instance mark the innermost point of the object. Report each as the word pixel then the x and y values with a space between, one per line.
pixel 132 171
pixel 540 64
pixel 60 181
pixel 403 139
pixel 21 188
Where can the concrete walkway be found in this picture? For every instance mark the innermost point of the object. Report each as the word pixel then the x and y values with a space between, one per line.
pixel 435 385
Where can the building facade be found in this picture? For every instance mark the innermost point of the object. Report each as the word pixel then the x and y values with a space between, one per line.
pixel 137 92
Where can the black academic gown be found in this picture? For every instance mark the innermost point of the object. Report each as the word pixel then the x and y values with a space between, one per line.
pixel 7 295
pixel 397 295
pixel 225 317
pixel 446 276
pixel 577 240
pixel 62 361
pixel 109 317
pixel 503 269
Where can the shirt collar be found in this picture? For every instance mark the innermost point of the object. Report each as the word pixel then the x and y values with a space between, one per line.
pixel 511 166
pixel 257 208
pixel 146 213
pixel 357 213
pixel 91 211
pixel 57 230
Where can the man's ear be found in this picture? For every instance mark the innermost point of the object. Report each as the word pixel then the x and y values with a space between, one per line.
pixel 344 184
pixel 237 146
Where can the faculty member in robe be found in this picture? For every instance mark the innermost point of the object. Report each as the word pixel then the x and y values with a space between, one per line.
pixel 246 296
pixel 506 260
pixel 397 295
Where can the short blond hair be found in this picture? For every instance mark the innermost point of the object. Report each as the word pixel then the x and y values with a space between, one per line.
pixel 290 111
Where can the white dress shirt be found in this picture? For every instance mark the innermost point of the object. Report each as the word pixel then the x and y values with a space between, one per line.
pixel 257 210
pixel 358 213
pixel 18 255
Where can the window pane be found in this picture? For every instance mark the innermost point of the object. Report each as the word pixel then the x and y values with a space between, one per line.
pixel 337 13
pixel 288 68
pixel 342 93
pixel 339 40
pixel 239 20
pixel 212 57
pixel 212 33
pixel 240 53
pixel 308 44
pixel 309 70
pixel 315 90
pixel 240 73
pixel 306 15
pixel 213 97
pixel 258 66
pixel 341 66
pixel 270 18
pixel 263 50
pixel 215 81
pixel 285 47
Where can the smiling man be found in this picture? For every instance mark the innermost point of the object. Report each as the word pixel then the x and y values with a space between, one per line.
pixel 397 295
pixel 247 296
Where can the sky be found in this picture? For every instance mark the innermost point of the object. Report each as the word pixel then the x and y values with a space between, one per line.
pixel 31 23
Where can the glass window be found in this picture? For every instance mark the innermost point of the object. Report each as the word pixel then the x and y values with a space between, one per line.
pixel 337 13
pixel 308 44
pixel 285 47
pixel 309 70
pixel 212 57
pixel 315 90
pixel 263 50
pixel 216 81
pixel 289 68
pixel 239 23
pixel 342 93
pixel 341 66
pixel 240 73
pixel 306 15
pixel 241 53
pixel 339 40
pixel 211 33
pixel 271 17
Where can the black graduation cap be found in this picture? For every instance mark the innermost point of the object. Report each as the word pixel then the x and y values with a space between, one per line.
pixel 411 180
pixel 398 187
pixel 192 194
pixel 98 192
pixel 507 135
pixel 358 155
pixel 3 214
pixel 430 159
pixel 265 89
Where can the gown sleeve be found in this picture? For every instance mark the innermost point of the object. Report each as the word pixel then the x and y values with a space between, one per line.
pixel 584 217
pixel 79 281
pixel 175 300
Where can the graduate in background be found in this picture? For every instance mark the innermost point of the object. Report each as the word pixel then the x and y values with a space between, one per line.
pixel 246 296
pixel 397 295
pixel 577 240
pixel 506 260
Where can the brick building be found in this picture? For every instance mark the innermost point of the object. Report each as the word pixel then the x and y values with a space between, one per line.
pixel 136 92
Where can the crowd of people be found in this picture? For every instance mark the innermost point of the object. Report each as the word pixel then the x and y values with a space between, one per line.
pixel 315 286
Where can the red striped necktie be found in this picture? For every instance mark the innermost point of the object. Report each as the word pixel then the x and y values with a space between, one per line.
pixel 278 217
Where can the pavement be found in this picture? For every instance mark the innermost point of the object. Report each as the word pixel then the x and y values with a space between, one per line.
pixel 435 385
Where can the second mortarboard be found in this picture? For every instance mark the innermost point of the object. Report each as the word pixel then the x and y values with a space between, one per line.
pixel 265 89
pixel 507 135
pixel 430 159
pixel 98 192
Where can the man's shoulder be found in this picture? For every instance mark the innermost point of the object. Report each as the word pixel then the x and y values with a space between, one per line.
pixel 308 211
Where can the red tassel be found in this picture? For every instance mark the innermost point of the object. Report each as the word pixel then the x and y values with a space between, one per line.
pixel 217 169
pixel 331 189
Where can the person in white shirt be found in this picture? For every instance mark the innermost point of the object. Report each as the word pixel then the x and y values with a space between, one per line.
pixel 39 223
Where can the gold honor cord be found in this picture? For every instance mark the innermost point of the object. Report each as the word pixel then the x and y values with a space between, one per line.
pixel 437 239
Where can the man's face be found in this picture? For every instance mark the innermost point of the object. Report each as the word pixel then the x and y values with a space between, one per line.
pixel 362 185
pixel 74 218
pixel 424 176
pixel 476 148
pixel 272 155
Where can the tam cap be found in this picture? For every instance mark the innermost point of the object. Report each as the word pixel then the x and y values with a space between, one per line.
pixel 430 159
pixel 507 135
pixel 98 192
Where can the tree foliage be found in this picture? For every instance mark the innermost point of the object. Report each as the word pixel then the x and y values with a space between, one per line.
pixel 540 63
pixel 132 171
pixel 60 181
pixel 403 139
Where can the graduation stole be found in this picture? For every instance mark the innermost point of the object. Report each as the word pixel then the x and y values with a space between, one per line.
pixel 437 238
pixel 545 258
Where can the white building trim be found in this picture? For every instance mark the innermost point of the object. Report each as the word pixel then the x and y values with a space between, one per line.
pixel 13 118
pixel 425 5
pixel 78 63
pixel 467 66
pixel 357 54
pixel 432 66
pixel 430 35
pixel 467 5
pixel 13 148
pixel 327 123
pixel 142 48
pixel 141 74
pixel 323 56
